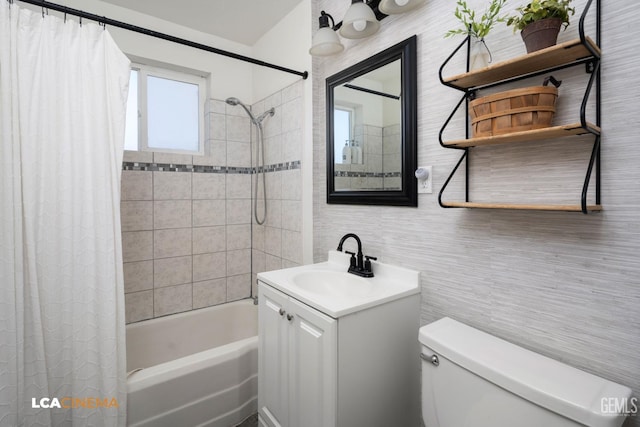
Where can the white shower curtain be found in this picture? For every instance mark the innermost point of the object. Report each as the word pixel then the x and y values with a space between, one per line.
pixel 63 97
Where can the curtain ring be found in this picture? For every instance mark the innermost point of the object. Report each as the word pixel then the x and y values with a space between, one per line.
pixel 81 21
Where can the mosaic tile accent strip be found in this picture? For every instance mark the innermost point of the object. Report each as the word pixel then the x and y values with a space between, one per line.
pixel 277 167
pixel 353 174
pixel 167 167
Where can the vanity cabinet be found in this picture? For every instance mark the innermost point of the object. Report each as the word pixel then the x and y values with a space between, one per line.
pixel 358 370
pixel 297 363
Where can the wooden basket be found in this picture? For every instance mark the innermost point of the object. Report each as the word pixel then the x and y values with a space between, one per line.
pixel 513 111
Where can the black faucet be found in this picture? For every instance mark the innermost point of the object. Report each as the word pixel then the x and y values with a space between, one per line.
pixel 358 266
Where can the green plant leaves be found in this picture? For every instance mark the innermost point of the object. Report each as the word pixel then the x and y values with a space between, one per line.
pixel 478 29
pixel 541 9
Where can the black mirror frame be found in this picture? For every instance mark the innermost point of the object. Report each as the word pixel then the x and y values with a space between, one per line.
pixel 408 196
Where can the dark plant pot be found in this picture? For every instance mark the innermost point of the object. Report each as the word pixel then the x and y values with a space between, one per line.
pixel 541 34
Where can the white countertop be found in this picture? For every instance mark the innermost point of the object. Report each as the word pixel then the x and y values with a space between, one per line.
pixel 389 283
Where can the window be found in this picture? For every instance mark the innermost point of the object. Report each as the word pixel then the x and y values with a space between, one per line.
pixel 165 111
pixel 343 128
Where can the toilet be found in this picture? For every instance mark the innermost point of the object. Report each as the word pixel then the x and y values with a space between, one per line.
pixel 473 379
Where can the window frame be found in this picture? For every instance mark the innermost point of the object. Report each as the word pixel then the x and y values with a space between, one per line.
pixel 144 71
pixel 352 126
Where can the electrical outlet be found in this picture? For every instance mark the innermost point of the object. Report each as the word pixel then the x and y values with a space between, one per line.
pixel 425 186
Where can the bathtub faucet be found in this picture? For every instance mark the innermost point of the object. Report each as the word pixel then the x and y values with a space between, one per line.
pixel 357 266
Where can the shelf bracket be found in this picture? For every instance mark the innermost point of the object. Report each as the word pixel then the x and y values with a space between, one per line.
pixel 581 24
pixel 467 42
pixel 585 98
pixel 595 154
pixel 446 183
pixel 593 68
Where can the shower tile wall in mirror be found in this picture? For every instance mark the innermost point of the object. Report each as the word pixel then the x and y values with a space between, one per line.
pixel 367 125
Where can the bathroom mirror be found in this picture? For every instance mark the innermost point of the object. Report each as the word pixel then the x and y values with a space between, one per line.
pixel 371 130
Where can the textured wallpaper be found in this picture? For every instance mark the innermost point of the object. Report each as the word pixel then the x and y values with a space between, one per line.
pixel 566 285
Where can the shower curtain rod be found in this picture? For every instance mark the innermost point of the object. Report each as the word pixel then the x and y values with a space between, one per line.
pixel 114 23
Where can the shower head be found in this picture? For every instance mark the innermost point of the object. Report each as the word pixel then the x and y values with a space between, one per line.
pixel 270 112
pixel 236 101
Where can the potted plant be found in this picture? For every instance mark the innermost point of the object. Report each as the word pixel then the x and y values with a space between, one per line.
pixel 540 22
pixel 478 29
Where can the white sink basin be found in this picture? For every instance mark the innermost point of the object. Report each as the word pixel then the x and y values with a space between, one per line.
pixel 328 287
pixel 333 283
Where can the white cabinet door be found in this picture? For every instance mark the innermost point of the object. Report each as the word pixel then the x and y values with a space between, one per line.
pixel 297 363
pixel 313 345
pixel 273 361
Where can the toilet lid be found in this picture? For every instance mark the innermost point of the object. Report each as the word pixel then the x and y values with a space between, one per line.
pixel 553 385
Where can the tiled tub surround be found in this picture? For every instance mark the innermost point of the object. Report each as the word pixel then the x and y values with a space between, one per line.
pixel 391 156
pixel 186 240
pixel 186 236
pixel 380 167
pixel 187 220
pixel 278 242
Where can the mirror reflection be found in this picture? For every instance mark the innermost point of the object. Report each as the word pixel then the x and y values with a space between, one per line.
pixel 367 117
pixel 371 130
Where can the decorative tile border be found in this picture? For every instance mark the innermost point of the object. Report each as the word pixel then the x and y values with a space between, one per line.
pixel 169 167
pixel 277 167
pixel 355 174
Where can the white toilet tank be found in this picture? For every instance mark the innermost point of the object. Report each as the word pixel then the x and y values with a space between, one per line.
pixel 483 381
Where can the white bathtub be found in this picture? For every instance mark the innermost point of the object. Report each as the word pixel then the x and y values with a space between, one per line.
pixel 198 368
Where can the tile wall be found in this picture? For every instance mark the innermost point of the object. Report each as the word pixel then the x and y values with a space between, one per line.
pixel 278 242
pixel 380 167
pixel 368 174
pixel 391 157
pixel 187 221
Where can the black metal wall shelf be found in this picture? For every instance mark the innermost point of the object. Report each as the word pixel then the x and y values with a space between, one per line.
pixel 543 61
pixel 582 50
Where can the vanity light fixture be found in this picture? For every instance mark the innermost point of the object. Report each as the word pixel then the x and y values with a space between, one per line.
pixel 393 7
pixel 326 41
pixel 359 21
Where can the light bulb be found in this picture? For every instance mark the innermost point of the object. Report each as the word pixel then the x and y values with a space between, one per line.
pixel 394 7
pixel 359 25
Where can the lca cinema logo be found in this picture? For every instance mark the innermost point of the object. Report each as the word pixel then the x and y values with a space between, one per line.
pixel 73 402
